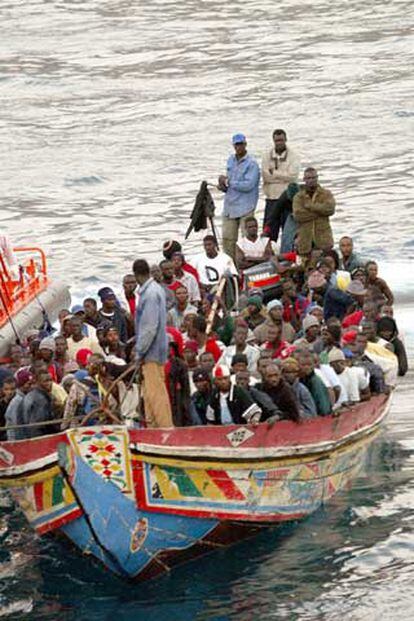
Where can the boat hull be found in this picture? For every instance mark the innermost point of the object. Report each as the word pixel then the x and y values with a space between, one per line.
pixel 141 501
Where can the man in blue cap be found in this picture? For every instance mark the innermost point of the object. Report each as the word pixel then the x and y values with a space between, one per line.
pixel 241 187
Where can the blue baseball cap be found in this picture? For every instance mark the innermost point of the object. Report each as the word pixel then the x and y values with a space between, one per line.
pixel 238 138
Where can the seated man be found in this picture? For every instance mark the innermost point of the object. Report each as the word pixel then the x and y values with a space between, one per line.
pixel 354 380
pixel 230 404
pixel 274 317
pixel 254 313
pixel 79 341
pixel 280 392
pixel 274 342
pixel 38 407
pixel 14 413
pixel 252 249
pixel 265 403
pixel 185 278
pixel 290 373
pixel 378 352
pixel 349 260
pixel 200 399
pixel 313 383
pixel 241 347
pixel 212 264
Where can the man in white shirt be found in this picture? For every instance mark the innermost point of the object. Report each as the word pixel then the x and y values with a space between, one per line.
pixel 212 264
pixel 252 249
pixel 280 166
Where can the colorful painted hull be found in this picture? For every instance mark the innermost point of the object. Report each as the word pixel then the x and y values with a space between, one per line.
pixel 143 500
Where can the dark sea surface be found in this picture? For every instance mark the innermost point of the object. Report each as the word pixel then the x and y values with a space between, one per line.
pixel 111 113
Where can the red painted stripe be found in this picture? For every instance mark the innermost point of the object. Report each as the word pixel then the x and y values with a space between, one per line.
pixel 225 484
pixel 58 522
pixel 38 495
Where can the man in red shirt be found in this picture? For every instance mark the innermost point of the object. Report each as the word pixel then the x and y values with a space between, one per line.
pixel 274 341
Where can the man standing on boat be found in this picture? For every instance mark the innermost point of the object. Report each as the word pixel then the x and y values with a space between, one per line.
pixel 280 167
pixel 312 207
pixel 241 187
pixel 152 346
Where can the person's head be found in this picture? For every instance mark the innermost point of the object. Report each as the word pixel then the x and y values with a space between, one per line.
pixel 272 375
pixel 190 353
pixel 369 328
pixel 371 270
pixel 207 362
pixel 44 381
pixel 316 311
pixel 240 145
pixel 167 270
pixel 288 288
pixel 251 227
pixel 198 327
pixel 243 379
pixel 387 311
pixel 90 307
pixel 112 336
pixel 346 246
pixel 129 284
pixel 333 258
pixel 76 328
pixel 290 370
pixel 155 272
pixel 169 247
pixel 262 363
pixel 181 296
pixel 64 312
pixel 360 343
pixel 326 266
pixel 95 362
pixel 221 375
pixel 141 271
pixel 387 328
pixel 370 310
pixel 279 140
pixel 15 354
pixel 274 333
pixel 202 381
pixel 108 299
pixel 331 333
pixel 306 362
pixel 310 178
pixel 187 321
pixel 8 389
pixel 239 362
pixel 61 347
pixel 47 348
pixel 24 380
pixel 240 335
pixel 210 246
pixel 311 328
pixel 359 274
pixel 275 310
pixel 178 261
pixel 254 304
pixel 337 361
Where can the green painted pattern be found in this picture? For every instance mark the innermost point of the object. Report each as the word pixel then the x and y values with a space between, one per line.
pixel 183 481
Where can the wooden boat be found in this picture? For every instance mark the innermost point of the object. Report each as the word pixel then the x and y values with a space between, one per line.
pixel 143 500
pixel 26 299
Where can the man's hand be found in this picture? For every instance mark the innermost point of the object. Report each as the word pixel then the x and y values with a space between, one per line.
pixel 223 183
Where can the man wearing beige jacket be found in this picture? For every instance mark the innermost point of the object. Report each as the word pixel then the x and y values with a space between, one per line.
pixel 280 166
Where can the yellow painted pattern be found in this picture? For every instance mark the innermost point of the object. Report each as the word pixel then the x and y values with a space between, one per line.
pixel 205 484
pixel 30 479
pixel 168 488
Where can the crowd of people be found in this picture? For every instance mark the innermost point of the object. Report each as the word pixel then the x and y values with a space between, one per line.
pixel 172 350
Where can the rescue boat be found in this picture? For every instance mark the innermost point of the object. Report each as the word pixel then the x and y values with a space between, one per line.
pixel 28 298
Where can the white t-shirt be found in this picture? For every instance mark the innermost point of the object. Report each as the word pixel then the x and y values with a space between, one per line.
pixel 354 379
pixel 253 249
pixel 211 270
pixel 331 380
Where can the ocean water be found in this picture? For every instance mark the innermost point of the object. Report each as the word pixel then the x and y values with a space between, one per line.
pixel 112 113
